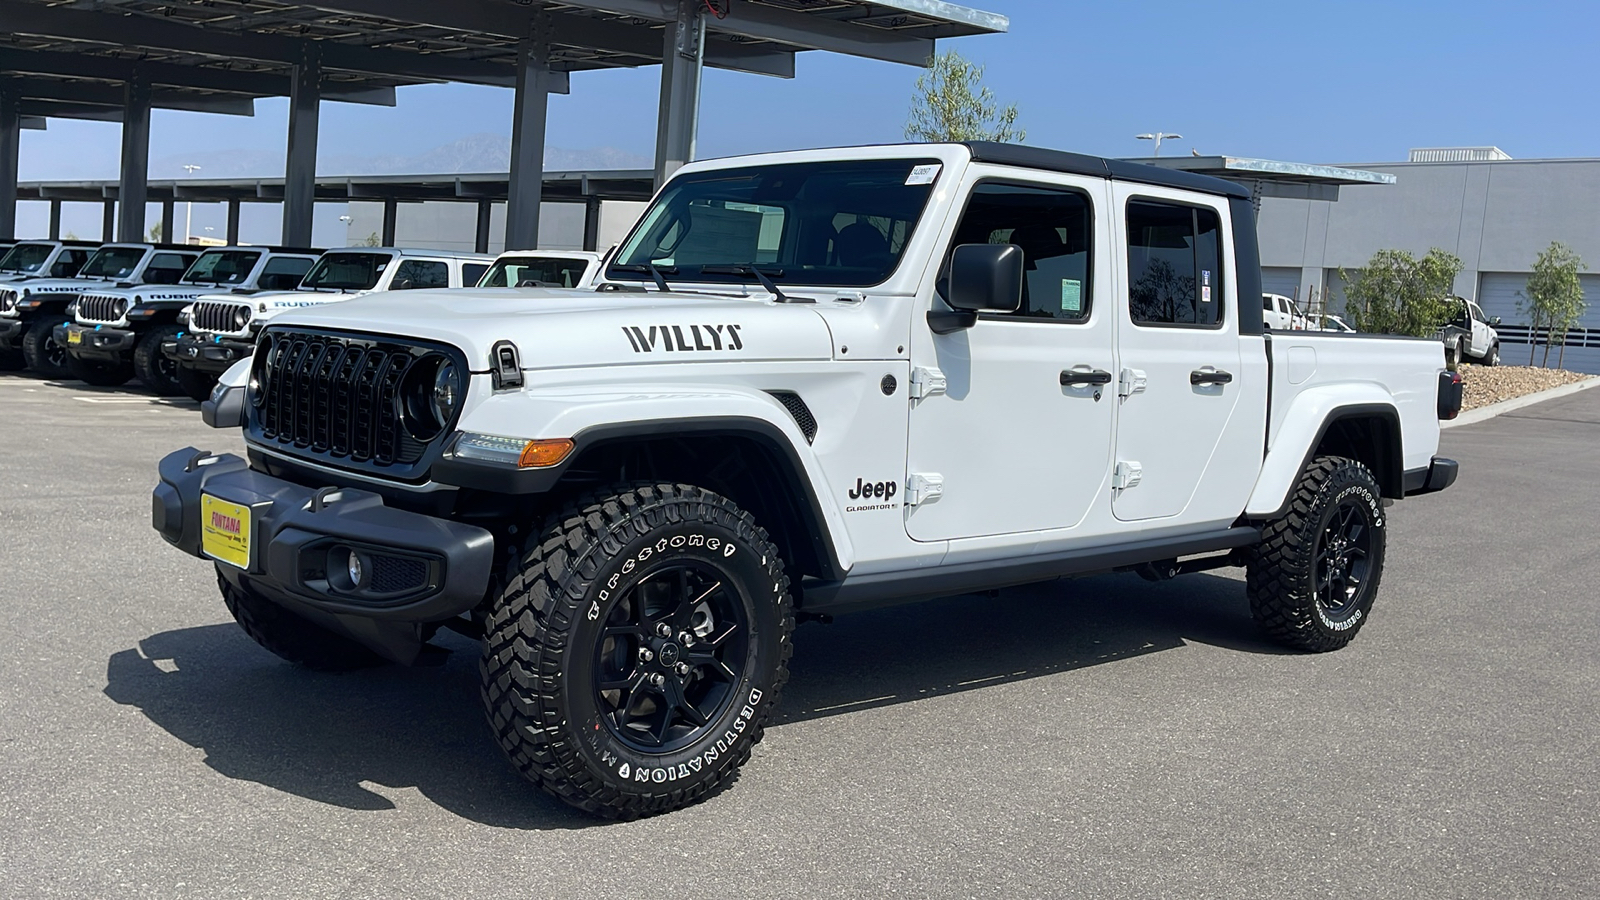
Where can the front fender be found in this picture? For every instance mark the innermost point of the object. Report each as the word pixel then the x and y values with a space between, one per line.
pixel 1294 441
pixel 622 412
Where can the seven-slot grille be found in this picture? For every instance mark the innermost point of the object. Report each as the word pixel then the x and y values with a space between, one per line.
pixel 101 307
pixel 8 299
pixel 220 316
pixel 335 396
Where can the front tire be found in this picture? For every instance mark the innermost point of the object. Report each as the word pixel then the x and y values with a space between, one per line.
pixel 289 636
pixel 638 648
pixel 1315 574
pixel 153 368
pixel 98 372
pixel 44 356
pixel 1492 358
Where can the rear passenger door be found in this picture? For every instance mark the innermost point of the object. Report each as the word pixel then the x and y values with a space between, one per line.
pixel 1180 453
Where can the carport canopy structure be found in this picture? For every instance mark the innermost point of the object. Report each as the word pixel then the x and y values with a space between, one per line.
pixel 115 60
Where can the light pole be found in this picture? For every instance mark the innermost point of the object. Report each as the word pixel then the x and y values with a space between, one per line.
pixel 188 205
pixel 1158 137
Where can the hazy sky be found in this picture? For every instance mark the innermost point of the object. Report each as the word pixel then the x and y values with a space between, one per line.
pixel 1320 82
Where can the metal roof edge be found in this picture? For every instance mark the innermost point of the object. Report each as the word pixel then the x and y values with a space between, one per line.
pixel 993 23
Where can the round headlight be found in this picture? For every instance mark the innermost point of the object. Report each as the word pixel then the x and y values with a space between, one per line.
pixel 241 317
pixel 446 392
pixel 429 394
pixel 121 307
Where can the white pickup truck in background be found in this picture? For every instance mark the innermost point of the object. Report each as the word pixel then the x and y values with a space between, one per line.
pixel 807 383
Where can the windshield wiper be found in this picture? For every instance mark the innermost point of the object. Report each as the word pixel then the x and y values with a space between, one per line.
pixel 653 270
pixel 766 283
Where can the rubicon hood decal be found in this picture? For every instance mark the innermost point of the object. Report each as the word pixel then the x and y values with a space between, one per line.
pixel 673 337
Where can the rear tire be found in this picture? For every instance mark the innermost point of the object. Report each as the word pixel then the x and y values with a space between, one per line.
pixel 638 648
pixel 99 373
pixel 196 384
pixel 39 348
pixel 1315 574
pixel 292 637
pixel 158 373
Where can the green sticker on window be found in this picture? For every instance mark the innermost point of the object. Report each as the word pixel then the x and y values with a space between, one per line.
pixel 1071 295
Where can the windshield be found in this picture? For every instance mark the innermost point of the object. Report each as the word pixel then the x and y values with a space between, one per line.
pixel 222 267
pixel 112 262
pixel 25 258
pixel 518 270
pixel 836 223
pixel 346 271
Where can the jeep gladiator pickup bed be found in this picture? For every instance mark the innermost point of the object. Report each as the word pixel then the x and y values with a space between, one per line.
pixel 809 382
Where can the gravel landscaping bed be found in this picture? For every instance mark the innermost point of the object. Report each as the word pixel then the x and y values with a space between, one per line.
pixel 1492 384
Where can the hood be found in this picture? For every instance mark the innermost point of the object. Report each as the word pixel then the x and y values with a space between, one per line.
pixel 58 285
pixel 560 328
pixel 148 293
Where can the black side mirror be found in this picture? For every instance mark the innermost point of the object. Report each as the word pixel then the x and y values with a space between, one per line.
pixel 982 277
pixel 401 284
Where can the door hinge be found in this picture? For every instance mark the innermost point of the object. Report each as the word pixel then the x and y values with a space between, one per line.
pixel 926 382
pixel 1126 475
pixel 1130 382
pixel 924 487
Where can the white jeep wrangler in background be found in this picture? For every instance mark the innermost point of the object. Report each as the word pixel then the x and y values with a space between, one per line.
pixel 809 382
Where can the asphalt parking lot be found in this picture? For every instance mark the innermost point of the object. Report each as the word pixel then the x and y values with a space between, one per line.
pixel 1100 738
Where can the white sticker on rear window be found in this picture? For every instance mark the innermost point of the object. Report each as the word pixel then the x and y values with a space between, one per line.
pixel 924 174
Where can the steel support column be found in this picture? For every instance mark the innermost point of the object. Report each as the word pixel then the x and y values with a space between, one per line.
pixel 527 142
pixel 591 223
pixel 55 220
pixel 480 243
pixel 678 118
pixel 300 173
pixel 233 221
pixel 108 221
pixel 169 221
pixel 10 143
pixel 134 188
pixel 391 219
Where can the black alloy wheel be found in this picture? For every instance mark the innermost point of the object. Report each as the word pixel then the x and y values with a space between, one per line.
pixel 1344 557
pixel 672 654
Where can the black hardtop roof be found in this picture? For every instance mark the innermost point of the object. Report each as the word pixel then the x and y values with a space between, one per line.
pixel 1099 167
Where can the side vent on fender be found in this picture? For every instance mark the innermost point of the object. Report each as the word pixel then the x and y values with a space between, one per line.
pixel 801 413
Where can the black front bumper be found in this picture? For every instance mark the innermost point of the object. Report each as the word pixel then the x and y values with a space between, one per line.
pixel 11 331
pixel 208 354
pixel 1440 474
pixel 96 341
pixel 418 568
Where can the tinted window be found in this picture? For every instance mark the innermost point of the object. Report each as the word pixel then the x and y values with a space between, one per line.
pixel 25 258
pixel 283 273
pixel 166 268
pixel 421 273
pixel 1174 264
pixel 1053 228
pixel 346 271
pixel 472 273
pixel 831 223
pixel 519 270
pixel 221 266
pixel 113 262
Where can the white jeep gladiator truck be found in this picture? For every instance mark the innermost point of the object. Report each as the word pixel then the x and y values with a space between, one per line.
pixel 220 329
pixel 32 311
pixel 810 382
pixel 117 333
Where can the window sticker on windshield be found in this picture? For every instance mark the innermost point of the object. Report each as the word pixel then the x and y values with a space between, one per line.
pixel 1071 295
pixel 924 174
pixel 1205 285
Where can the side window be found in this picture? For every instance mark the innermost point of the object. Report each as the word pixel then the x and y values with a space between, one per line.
pixel 415 274
pixel 472 273
pixel 1174 264
pixel 1054 228
pixel 283 273
pixel 166 268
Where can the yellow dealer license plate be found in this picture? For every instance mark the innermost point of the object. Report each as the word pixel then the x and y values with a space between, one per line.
pixel 74 337
pixel 225 531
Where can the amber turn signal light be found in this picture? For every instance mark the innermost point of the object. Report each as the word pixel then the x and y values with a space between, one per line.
pixel 542 454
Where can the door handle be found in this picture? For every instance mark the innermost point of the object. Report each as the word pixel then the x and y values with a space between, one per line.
pixel 1081 376
pixel 1209 375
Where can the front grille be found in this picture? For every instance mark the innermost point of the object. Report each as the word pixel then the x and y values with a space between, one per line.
pixel 8 299
pixel 220 316
pixel 101 308
pixel 335 397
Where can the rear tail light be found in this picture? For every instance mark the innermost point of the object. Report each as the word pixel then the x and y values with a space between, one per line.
pixel 1449 395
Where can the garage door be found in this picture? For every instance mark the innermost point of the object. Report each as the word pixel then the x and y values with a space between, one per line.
pixel 1497 294
pixel 1280 280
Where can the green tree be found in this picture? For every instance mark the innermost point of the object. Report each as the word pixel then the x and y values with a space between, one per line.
pixel 951 104
pixel 372 240
pixel 71 236
pixel 1397 293
pixel 1553 299
pixel 155 233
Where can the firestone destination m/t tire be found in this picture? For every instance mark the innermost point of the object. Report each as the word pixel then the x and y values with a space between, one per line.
pixel 1315 574
pixel 41 352
pixel 637 649
pixel 153 368
pixel 292 637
